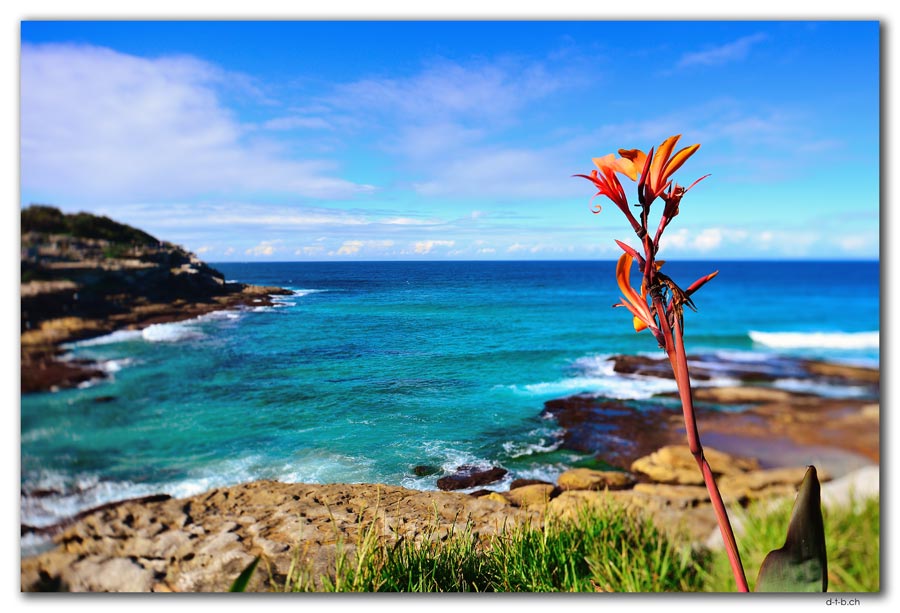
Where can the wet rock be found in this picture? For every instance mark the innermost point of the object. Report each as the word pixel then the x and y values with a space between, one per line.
pixel 424 470
pixel 467 476
pixel 642 365
pixel 618 432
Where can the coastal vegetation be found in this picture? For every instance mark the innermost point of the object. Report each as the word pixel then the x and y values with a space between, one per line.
pixel 50 220
pixel 603 549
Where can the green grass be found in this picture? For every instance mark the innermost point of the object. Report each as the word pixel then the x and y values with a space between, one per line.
pixel 606 550
pixel 852 541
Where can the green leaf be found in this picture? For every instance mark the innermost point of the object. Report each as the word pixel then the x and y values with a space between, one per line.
pixel 240 584
pixel 801 565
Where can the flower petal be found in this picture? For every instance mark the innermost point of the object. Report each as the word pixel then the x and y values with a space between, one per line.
pixel 637 159
pixel 659 161
pixel 677 160
pixel 638 306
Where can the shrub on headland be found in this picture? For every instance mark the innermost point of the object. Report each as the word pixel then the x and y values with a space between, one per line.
pixel 50 220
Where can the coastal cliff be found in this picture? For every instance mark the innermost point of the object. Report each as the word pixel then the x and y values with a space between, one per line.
pixel 84 276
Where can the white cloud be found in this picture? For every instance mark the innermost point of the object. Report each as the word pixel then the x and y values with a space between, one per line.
pixel 98 124
pixel 503 173
pixel 202 250
pixel 355 247
pixel 722 54
pixel 310 250
pixel 516 247
pixel 708 239
pixel 265 248
pixel 424 247
pixel 350 248
pixel 446 89
pixel 855 243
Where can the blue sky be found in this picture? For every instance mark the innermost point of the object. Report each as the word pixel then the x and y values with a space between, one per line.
pixel 252 141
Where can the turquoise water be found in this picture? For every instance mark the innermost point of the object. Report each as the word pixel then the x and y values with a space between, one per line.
pixel 370 369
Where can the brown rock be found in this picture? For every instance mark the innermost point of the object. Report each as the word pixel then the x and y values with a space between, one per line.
pixel 844 372
pixel 588 479
pixel 679 496
pixel 765 483
pixel 676 464
pixel 516 483
pixel 201 543
pixel 497 497
pixel 534 495
pixel 744 395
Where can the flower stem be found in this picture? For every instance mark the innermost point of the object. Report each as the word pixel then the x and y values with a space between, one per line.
pixel 678 358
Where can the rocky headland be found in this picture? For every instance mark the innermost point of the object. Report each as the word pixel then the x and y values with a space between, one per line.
pixel 84 276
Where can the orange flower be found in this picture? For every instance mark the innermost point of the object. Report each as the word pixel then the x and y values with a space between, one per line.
pixel 607 182
pixel 635 303
pixel 657 168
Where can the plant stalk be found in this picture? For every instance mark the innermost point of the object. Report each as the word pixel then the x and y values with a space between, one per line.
pixel 678 358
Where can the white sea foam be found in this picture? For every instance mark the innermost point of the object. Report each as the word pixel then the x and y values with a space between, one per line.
pixel 596 375
pixel 826 390
pixel 306 292
pixel 63 496
pixel 823 340
pixel 114 366
pixel 736 355
pixel 119 336
pixel 67 497
pixel 219 316
pixel 545 444
pixel 170 332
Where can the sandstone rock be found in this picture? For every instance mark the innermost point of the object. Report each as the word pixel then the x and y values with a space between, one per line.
pixel 534 495
pixel 497 497
pixel 743 395
pixel 588 479
pixel 200 544
pixel 676 464
pixel 765 483
pixel 844 372
pixel 664 494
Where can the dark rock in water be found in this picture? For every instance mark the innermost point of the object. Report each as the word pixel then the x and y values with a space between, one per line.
pixel 641 365
pixel 470 476
pixel 424 470
pixel 616 432
pixel 104 399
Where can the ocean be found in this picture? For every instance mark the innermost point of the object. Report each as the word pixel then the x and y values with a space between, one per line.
pixel 372 368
